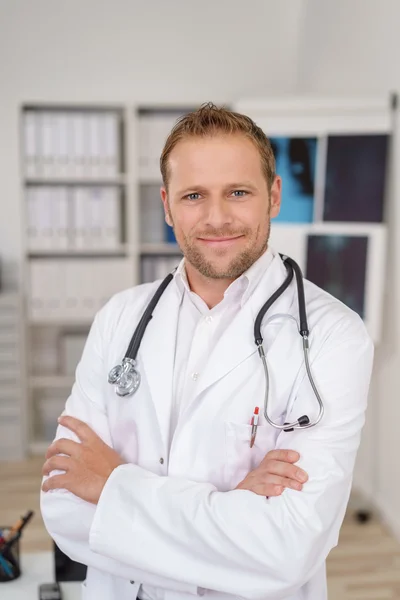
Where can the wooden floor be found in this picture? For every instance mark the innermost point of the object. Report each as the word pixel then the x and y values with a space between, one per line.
pixel 364 566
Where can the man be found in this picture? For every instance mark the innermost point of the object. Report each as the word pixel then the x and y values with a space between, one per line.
pixel 161 493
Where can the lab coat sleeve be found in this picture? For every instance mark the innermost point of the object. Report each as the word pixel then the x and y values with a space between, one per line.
pixel 68 518
pixel 239 542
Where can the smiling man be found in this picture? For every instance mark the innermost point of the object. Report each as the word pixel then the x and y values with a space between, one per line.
pixel 178 491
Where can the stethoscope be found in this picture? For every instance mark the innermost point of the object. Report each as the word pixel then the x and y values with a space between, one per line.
pixel 126 378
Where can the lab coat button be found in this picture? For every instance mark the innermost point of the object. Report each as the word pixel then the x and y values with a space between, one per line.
pixel 131 581
pixel 201 591
pixel 195 376
pixel 162 460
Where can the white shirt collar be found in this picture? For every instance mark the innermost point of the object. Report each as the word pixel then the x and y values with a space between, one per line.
pixel 239 290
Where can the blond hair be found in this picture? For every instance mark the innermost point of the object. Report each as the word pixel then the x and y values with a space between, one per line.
pixel 209 120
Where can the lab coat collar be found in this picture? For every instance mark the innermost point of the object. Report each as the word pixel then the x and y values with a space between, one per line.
pixel 157 349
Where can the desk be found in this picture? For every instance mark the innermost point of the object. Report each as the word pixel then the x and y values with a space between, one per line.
pixel 37 569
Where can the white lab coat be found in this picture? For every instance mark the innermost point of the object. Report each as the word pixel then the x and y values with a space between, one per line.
pixel 177 525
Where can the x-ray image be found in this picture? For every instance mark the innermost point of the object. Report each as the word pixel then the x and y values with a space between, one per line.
pixel 338 264
pixel 295 163
pixel 355 178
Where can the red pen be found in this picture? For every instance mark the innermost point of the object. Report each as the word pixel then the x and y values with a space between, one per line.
pixel 254 425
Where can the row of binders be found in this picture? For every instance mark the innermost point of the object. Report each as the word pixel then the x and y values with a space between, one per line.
pixel 73 218
pixel 158 267
pixel 73 144
pixel 73 291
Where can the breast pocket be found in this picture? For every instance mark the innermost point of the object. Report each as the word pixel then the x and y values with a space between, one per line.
pixel 240 458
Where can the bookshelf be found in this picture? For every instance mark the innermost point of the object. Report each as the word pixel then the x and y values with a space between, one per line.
pixel 93 225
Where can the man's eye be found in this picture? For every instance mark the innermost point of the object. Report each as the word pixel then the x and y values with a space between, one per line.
pixel 239 193
pixel 193 196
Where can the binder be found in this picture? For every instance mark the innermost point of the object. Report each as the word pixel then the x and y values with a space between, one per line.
pixel 47 291
pixel 65 149
pixel 111 155
pixel 80 224
pixel 30 143
pixel 94 145
pixel 31 219
pixel 44 218
pixel 111 225
pixel 60 218
pixel 95 209
pixel 46 133
pixel 78 158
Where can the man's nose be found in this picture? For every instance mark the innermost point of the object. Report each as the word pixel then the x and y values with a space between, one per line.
pixel 218 212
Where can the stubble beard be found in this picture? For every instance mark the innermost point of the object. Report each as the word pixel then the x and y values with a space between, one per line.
pixel 239 263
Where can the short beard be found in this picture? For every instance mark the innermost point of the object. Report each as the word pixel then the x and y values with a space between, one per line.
pixel 238 265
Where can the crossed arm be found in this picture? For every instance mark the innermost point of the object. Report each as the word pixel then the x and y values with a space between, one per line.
pixel 188 534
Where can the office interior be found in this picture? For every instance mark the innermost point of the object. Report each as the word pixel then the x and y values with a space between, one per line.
pixel 89 92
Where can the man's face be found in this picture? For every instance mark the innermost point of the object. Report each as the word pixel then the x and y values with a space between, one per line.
pixel 218 203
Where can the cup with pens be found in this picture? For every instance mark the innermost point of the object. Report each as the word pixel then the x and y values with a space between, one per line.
pixel 10 568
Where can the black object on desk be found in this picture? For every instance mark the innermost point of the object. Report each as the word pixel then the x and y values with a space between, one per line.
pixel 67 569
pixel 50 591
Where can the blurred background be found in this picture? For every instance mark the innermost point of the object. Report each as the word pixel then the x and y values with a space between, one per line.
pixel 89 92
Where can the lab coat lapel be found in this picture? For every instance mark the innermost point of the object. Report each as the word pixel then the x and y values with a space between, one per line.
pixel 237 342
pixel 157 352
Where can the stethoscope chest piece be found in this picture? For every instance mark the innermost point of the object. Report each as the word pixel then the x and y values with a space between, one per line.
pixel 125 377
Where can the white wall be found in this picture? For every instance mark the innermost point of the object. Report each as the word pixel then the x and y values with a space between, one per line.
pixel 133 50
pixel 353 48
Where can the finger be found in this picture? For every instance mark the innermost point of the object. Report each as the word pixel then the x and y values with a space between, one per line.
pixel 290 456
pixel 63 446
pixel 82 430
pixel 277 467
pixel 56 463
pixel 55 483
pixel 283 482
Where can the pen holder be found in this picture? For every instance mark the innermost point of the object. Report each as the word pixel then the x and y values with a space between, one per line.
pixel 9 561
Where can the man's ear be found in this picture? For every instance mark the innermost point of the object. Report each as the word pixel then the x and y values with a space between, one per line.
pixel 276 192
pixel 164 198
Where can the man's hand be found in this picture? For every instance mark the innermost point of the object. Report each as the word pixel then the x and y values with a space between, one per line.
pixel 275 473
pixel 87 465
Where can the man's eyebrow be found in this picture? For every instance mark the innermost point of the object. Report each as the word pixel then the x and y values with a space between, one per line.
pixel 201 188
pixel 241 184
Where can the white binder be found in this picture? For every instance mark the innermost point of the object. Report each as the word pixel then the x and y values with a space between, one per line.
pixel 80 224
pixel 95 152
pixel 60 218
pixel 65 148
pixel 46 290
pixel 31 219
pixel 111 228
pixel 95 217
pixel 111 147
pixel 79 146
pixel 46 133
pixel 30 143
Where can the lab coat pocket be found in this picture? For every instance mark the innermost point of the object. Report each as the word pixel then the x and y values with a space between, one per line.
pixel 240 458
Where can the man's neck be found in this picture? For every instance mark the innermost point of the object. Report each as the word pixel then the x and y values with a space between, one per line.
pixel 210 290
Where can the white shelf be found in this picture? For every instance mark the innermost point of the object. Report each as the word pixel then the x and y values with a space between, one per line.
pixel 59 322
pixel 51 381
pixel 119 180
pixel 78 252
pixel 160 249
